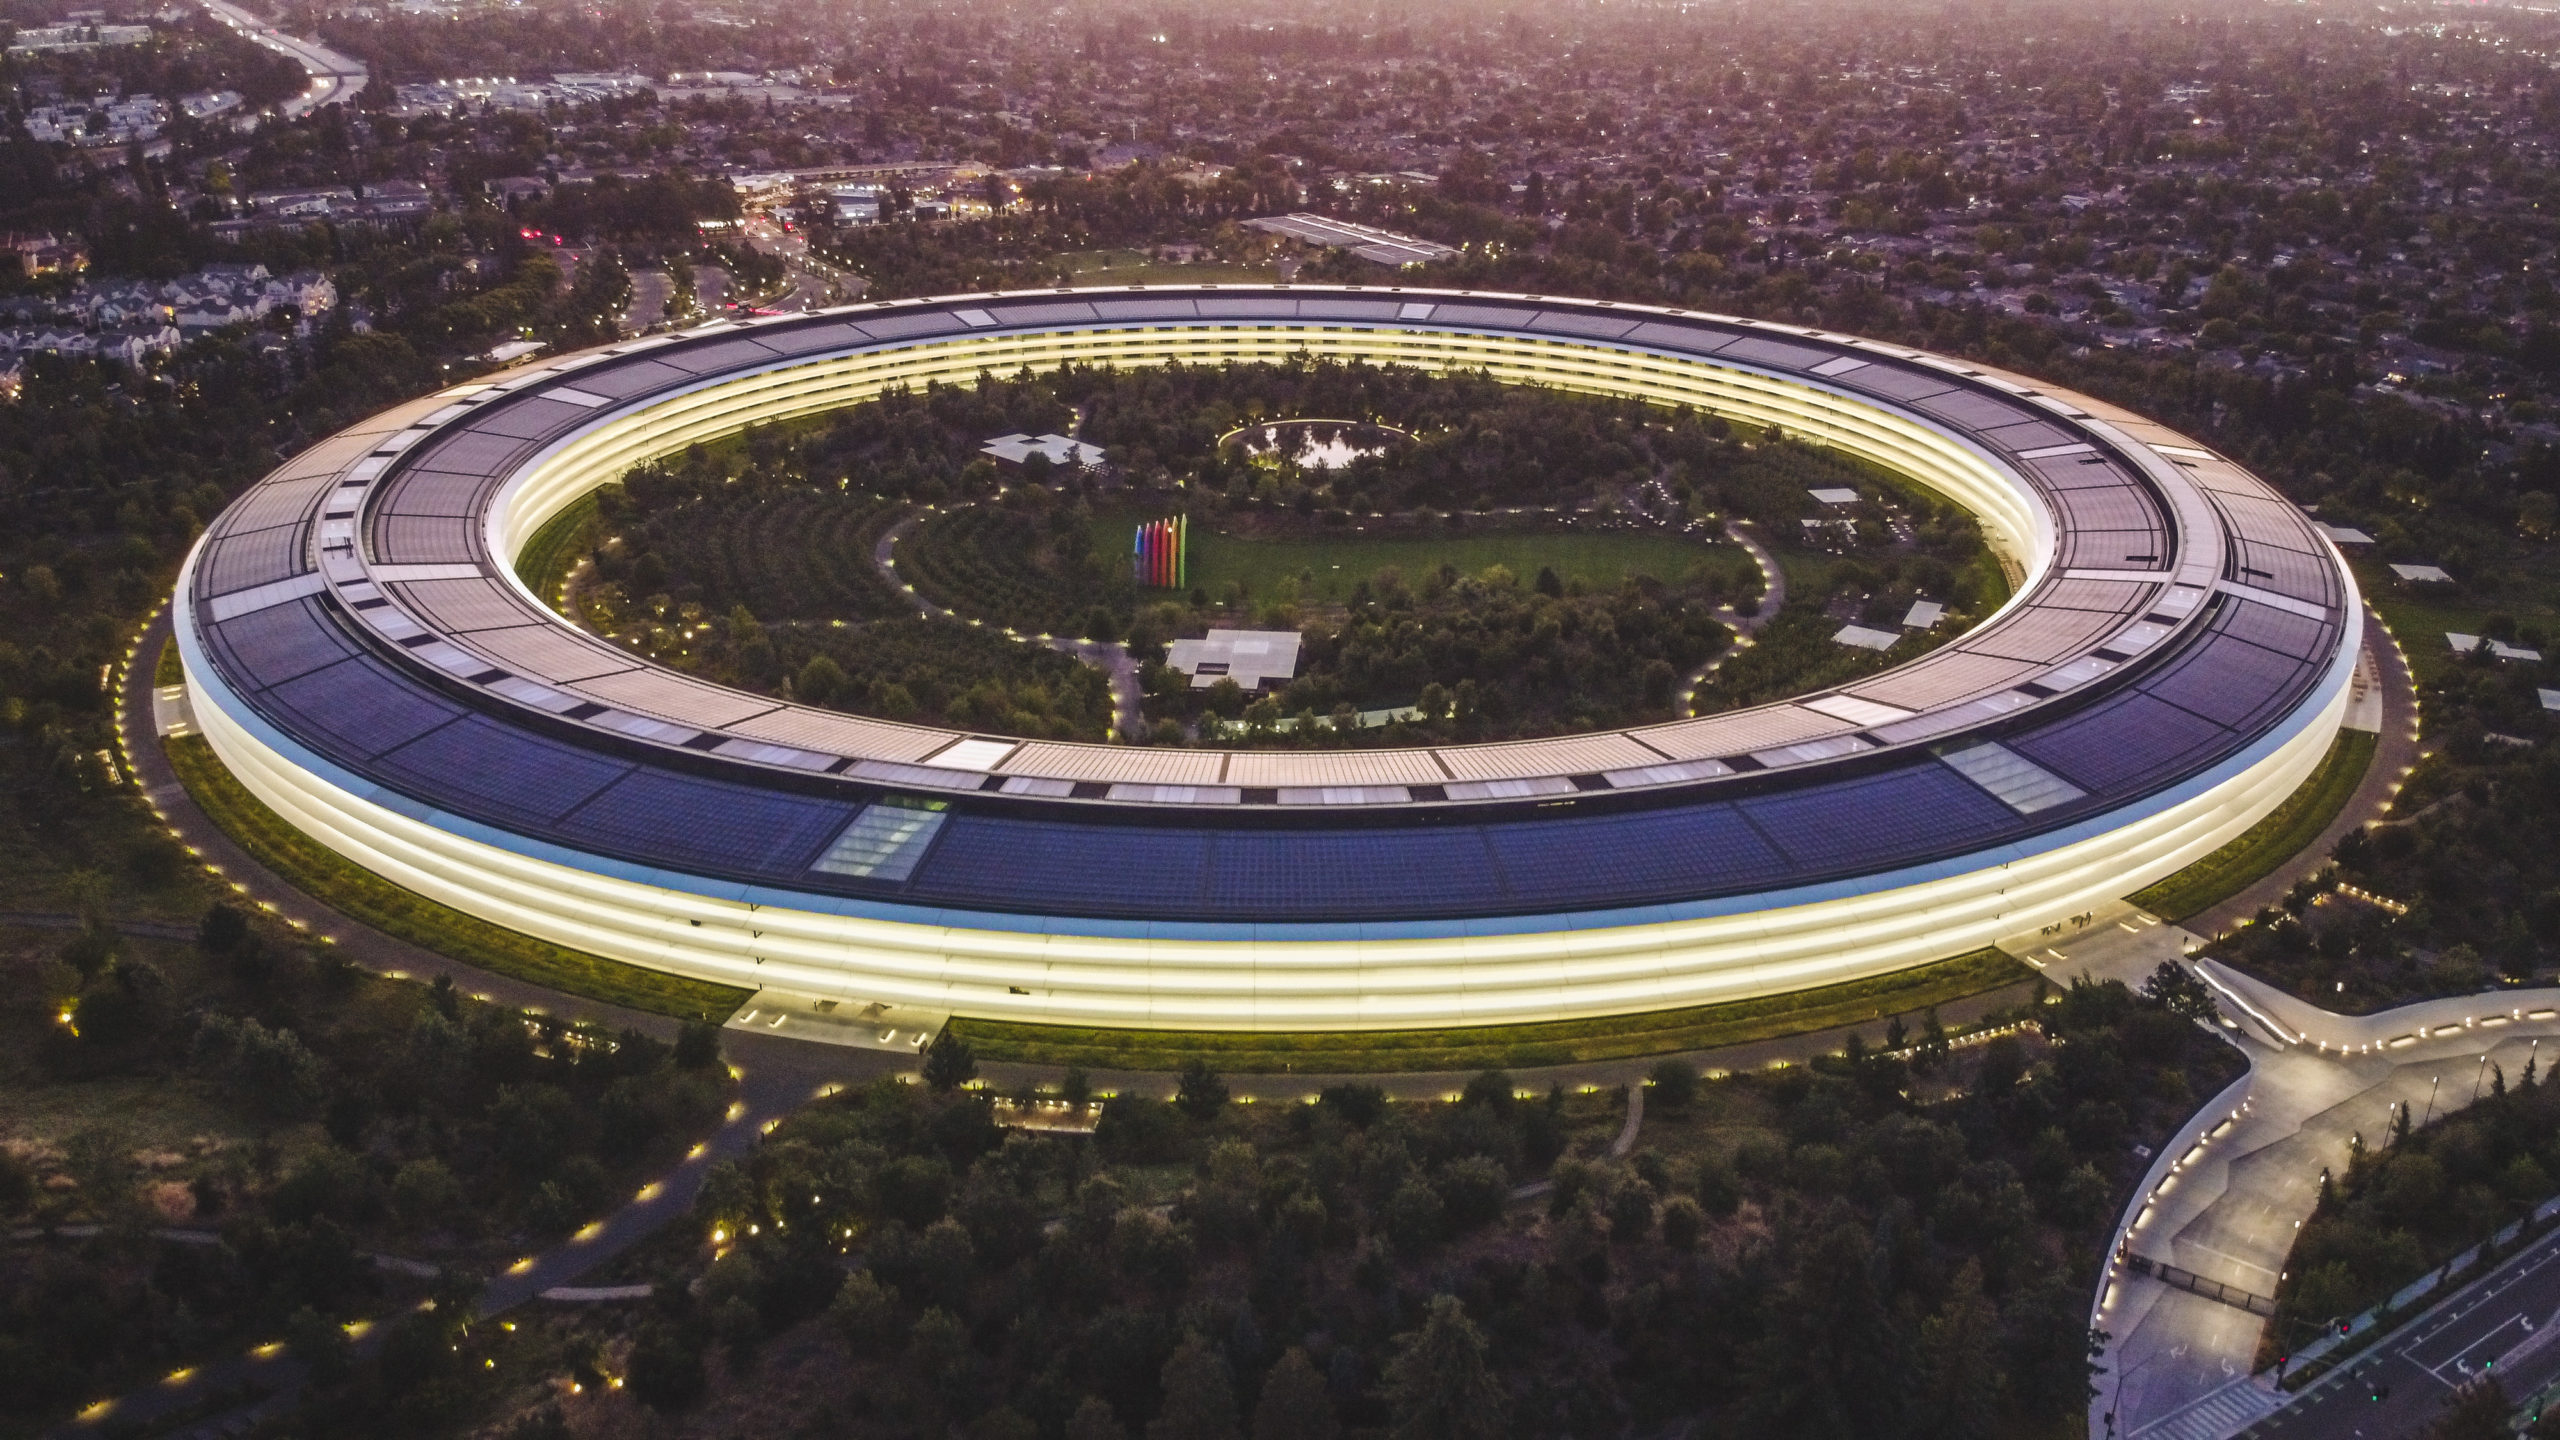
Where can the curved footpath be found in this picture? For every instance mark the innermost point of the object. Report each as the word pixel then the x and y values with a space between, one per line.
pixel 1746 628
pixel 1108 656
pixel 2386 701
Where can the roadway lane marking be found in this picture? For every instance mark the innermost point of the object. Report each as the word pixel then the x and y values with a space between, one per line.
pixel 2460 1360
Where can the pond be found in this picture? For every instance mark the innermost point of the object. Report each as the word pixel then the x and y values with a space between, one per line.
pixel 1315 444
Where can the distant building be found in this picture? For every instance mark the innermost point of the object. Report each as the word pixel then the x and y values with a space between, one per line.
pixel 1383 247
pixel 47 255
pixel 1060 450
pixel 517 187
pixel 55 39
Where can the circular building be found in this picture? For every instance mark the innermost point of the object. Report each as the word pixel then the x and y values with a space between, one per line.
pixel 361 654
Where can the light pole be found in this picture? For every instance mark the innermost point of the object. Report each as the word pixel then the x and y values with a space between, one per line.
pixel 2431 1101
pixel 2478 1075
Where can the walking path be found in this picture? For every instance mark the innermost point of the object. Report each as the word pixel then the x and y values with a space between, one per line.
pixel 1773 598
pixel 1108 656
pixel 2385 701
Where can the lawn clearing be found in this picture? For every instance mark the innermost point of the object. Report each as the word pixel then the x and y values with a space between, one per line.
pixel 1326 567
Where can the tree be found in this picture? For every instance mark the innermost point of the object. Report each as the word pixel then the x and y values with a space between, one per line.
pixel 698 1046
pixel 1682 1223
pixel 820 681
pixel 320 1344
pixel 1674 1083
pixel 2176 989
pixel 1093 1420
pixel 1203 1092
pixel 865 1314
pixel 1199 1398
pixel 222 929
pixel 1959 1378
pixel 2477 1411
pixel 1439 1386
pixel 949 1062
pixel 1832 1364
pixel 1296 1404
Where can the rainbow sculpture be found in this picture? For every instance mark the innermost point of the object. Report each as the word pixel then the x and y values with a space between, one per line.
pixel 1161 556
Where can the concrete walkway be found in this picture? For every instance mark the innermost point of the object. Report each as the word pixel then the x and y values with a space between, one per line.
pixel 2177 1365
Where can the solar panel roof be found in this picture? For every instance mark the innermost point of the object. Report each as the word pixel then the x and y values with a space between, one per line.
pixel 570 740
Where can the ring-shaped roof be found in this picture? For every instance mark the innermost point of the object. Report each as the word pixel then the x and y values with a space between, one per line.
pixel 362 600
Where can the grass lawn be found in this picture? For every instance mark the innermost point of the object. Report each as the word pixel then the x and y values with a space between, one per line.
pixel 2420 616
pixel 2269 843
pixel 1327 567
pixel 551 550
pixel 1560 1042
pixel 365 896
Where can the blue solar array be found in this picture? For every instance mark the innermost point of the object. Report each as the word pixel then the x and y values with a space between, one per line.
pixel 2227 681
pixel 1654 855
pixel 694 821
pixel 995 859
pixel 361 707
pixel 2277 630
pixel 276 644
pixel 1344 872
pixel 2122 744
pixel 507 776
pixel 1886 819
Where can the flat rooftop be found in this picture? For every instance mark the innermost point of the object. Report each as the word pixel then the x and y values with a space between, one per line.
pixel 1248 657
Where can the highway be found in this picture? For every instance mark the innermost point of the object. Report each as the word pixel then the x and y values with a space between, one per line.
pixel 335 78
pixel 815 284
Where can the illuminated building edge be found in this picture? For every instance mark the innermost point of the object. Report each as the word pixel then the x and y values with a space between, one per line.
pixel 1372 974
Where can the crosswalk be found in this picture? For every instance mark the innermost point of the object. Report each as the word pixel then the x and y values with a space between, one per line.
pixel 2216 1415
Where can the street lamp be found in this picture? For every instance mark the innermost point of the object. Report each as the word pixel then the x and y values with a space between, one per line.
pixel 2431 1100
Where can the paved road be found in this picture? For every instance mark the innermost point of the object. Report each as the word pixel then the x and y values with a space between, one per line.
pixel 335 78
pixel 2504 1324
pixel 814 283
pixel 650 291
pixel 711 286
